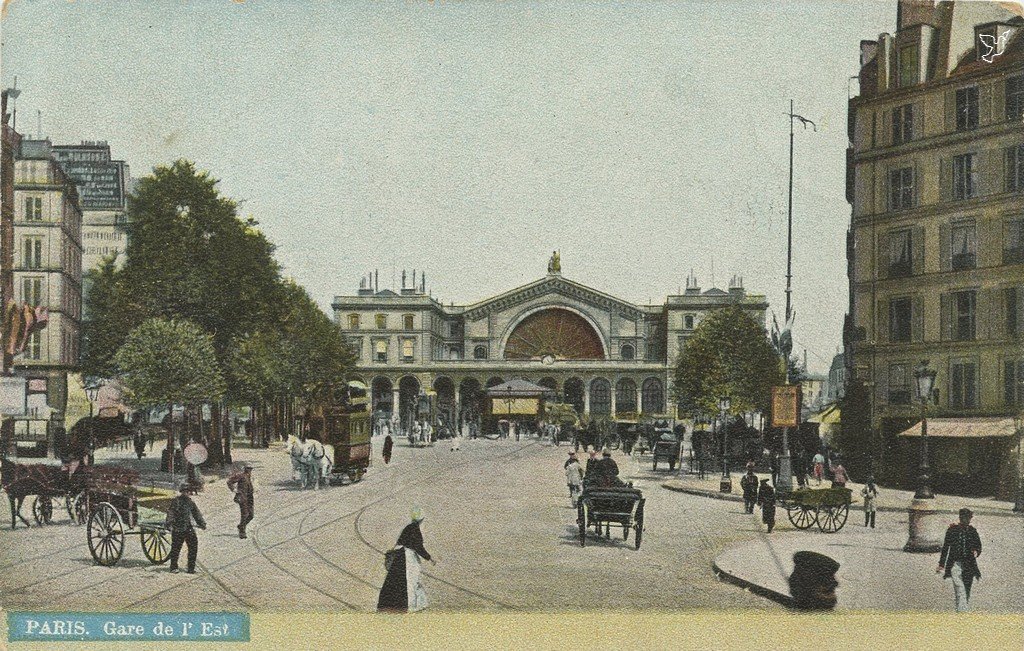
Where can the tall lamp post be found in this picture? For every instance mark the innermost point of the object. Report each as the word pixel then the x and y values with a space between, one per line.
pixel 92 392
pixel 724 403
pixel 923 538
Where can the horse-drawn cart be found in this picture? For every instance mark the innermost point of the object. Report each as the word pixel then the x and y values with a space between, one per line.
pixel 826 507
pixel 621 506
pixel 117 512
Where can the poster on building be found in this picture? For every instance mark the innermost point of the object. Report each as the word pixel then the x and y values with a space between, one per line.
pixel 515 406
pixel 786 406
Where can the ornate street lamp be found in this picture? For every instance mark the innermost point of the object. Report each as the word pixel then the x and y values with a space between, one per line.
pixel 724 403
pixel 924 380
pixel 92 392
pixel 923 538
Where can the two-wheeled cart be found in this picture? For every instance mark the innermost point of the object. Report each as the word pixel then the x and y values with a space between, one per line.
pixel 826 507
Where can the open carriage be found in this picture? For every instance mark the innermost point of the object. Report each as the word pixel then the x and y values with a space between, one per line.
pixel 826 507
pixel 606 506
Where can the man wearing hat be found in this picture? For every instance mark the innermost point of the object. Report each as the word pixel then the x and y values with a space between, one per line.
pixel 813 582
pixel 180 515
pixel 592 460
pixel 574 477
pixel 960 551
pixel 766 499
pixel 241 484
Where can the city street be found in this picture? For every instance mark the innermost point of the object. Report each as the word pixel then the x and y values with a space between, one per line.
pixel 498 521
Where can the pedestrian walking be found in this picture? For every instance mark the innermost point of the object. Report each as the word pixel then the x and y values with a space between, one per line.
pixel 839 477
pixel 180 515
pixel 241 484
pixel 766 500
pixel 870 492
pixel 960 551
pixel 389 444
pixel 403 586
pixel 574 478
pixel 749 486
pixel 140 444
pixel 819 467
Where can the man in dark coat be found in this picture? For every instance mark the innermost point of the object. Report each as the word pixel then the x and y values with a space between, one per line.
pixel 389 445
pixel 749 486
pixel 242 486
pixel 813 581
pixel 960 551
pixel 403 570
pixel 766 499
pixel 180 515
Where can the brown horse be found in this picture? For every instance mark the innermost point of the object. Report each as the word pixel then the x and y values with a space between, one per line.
pixel 20 481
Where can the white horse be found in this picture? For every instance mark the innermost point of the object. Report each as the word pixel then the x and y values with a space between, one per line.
pixel 296 449
pixel 317 459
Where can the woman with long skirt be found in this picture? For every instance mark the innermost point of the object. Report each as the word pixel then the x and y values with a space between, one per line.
pixel 403 587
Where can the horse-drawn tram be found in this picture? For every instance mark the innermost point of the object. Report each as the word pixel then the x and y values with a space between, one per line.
pixel 349 430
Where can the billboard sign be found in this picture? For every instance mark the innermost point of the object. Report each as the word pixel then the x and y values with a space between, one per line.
pixel 786 406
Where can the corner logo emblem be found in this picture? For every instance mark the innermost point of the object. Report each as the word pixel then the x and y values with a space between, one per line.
pixel 993 45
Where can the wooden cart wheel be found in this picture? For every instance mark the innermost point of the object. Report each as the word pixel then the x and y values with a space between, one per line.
pixel 156 544
pixel 42 509
pixel 801 516
pixel 81 508
pixel 638 527
pixel 832 518
pixel 581 522
pixel 106 535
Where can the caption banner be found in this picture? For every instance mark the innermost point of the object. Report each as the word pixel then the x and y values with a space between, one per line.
pixel 87 627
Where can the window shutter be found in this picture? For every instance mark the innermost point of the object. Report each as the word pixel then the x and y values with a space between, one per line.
pixel 1020 312
pixel 945 179
pixel 882 328
pixel 945 258
pixel 887 189
pixel 990 248
pixel 882 385
pixel 917 250
pixel 945 317
pixel 985 313
pixel 986 114
pixel 885 138
pixel 998 101
pixel 918 120
pixel 997 327
pixel 882 260
pixel 950 111
pixel 917 319
pixel 991 164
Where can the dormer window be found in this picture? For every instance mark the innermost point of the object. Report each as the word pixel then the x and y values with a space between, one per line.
pixel 909 65
pixel 990 40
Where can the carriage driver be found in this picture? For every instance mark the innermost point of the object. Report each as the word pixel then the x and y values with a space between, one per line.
pixel 179 520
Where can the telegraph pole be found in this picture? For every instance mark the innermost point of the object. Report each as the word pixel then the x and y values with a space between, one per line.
pixel 785 480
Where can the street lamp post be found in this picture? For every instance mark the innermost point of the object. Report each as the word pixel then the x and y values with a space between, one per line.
pixel 723 407
pixel 923 538
pixel 92 392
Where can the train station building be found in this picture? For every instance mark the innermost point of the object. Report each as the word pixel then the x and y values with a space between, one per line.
pixel 603 354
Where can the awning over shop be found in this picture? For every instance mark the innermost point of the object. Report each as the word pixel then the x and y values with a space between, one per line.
pixel 830 416
pixel 518 389
pixel 980 427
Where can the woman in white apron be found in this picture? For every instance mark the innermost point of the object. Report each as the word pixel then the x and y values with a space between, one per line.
pixel 403 587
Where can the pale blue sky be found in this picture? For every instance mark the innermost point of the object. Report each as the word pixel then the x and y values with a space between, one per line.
pixel 470 139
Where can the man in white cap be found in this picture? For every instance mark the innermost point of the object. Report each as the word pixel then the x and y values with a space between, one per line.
pixel 403 587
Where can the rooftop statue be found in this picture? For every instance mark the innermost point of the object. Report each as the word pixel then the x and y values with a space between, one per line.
pixel 555 263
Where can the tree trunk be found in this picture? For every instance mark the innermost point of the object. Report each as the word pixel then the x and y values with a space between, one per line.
pixel 216 447
pixel 229 432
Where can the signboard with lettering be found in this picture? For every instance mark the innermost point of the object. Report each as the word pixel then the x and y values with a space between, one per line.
pixel 100 181
pixel 786 406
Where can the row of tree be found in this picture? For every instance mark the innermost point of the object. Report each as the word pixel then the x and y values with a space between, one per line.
pixel 199 313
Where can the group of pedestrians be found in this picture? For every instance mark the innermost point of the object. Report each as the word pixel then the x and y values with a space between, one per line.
pixel 603 472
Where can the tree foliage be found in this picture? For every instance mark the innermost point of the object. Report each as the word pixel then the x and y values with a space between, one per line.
pixel 729 353
pixel 169 362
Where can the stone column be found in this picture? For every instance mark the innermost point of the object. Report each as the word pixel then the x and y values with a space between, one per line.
pixel 613 399
pixel 586 397
pixel 394 401
pixel 639 397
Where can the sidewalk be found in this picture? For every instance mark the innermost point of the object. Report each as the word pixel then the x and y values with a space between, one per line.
pixel 875 573
pixel 148 466
pixel 889 500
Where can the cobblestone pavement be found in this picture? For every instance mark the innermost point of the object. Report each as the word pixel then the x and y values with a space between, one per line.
pixel 498 520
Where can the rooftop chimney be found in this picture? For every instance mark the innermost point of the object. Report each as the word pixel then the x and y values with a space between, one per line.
pixel 692 288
